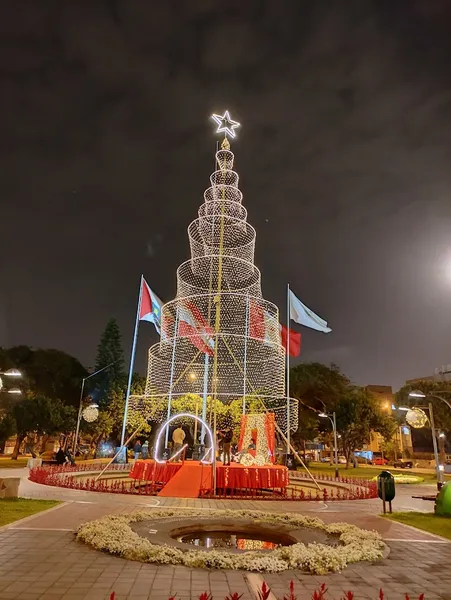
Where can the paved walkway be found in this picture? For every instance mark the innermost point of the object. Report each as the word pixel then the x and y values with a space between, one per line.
pixel 40 559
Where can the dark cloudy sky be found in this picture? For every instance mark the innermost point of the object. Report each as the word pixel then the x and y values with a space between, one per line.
pixel 344 159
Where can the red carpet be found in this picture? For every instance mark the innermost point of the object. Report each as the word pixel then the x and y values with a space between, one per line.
pixel 188 481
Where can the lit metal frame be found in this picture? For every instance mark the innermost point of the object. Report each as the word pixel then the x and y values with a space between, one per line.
pixel 173 418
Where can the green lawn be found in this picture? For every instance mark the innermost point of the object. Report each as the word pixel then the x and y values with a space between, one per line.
pixel 425 521
pixel 364 472
pixel 13 509
pixel 7 463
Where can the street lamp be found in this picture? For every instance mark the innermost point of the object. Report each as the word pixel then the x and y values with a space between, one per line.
pixel 333 420
pixel 438 467
pixel 11 373
pixel 80 408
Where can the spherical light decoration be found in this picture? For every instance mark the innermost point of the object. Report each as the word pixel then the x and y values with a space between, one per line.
pixel 90 413
pixel 247 460
pixel 416 418
pixel 260 460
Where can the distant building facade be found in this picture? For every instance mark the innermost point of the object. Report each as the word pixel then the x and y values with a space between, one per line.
pixel 402 436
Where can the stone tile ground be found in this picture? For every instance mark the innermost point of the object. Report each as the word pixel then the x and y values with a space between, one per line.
pixel 40 559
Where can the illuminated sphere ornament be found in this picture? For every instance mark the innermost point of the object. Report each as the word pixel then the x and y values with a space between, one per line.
pixel 260 460
pixel 90 413
pixel 247 460
pixel 416 418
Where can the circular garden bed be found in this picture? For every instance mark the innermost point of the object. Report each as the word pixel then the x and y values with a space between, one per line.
pixel 294 541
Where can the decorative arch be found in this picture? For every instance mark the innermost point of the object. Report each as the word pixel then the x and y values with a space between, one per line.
pixel 196 418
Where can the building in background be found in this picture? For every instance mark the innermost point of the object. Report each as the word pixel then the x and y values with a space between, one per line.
pixel 402 437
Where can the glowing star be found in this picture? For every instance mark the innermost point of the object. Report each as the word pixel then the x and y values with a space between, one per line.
pixel 225 124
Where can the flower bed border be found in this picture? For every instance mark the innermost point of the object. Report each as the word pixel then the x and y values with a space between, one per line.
pixel 113 534
pixel 63 476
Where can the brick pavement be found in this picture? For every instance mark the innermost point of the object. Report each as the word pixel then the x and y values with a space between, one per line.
pixel 40 559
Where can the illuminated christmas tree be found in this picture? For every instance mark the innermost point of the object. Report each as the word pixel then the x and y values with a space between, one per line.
pixel 219 337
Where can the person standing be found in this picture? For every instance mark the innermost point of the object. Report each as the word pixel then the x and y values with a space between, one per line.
pixel 137 449
pixel 226 442
pixel 178 438
pixel 145 449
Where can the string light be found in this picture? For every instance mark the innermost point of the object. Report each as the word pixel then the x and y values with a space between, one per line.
pixel 168 422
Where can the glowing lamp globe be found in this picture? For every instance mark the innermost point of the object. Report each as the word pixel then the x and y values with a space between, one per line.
pixel 416 418
pixel 90 413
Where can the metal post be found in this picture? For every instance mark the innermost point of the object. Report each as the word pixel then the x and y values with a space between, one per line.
pixel 132 360
pixel 334 425
pixel 195 423
pixel 383 495
pixel 246 335
pixel 80 408
pixel 288 370
pixel 174 344
pixel 434 443
pixel 204 400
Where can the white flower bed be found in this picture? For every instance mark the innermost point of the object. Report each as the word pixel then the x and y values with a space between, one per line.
pixel 113 534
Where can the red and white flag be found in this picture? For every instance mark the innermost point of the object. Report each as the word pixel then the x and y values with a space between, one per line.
pixel 193 325
pixel 262 326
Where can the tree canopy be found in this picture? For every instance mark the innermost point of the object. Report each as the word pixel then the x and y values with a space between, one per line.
pixel 109 352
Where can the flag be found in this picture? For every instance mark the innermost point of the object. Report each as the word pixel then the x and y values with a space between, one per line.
pixel 192 325
pixel 304 316
pixel 294 348
pixel 150 309
pixel 263 326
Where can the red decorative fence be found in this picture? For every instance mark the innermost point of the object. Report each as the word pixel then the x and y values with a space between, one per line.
pixel 64 476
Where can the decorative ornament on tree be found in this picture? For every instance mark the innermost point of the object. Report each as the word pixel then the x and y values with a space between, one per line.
pixel 416 418
pixel 91 413
pixel 247 460
pixel 225 124
pixel 260 460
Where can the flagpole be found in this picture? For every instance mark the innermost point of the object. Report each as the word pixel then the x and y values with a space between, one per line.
pixel 204 399
pixel 132 362
pixel 174 343
pixel 246 332
pixel 288 369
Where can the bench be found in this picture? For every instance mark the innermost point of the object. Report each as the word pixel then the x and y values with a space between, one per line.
pixel 9 487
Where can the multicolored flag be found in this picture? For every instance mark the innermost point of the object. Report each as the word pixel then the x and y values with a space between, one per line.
pixel 150 308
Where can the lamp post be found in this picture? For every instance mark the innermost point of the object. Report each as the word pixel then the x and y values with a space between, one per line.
pixel 438 466
pixel 13 373
pixel 333 420
pixel 80 408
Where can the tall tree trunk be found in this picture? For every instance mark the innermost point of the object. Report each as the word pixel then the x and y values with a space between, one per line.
pixel 19 440
pixel 43 442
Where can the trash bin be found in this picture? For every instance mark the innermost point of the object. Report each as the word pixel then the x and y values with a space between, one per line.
pixel 386 480
pixel 443 501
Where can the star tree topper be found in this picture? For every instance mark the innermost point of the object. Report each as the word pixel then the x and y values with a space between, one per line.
pixel 225 124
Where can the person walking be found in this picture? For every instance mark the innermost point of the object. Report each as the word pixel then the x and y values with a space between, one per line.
pixel 178 438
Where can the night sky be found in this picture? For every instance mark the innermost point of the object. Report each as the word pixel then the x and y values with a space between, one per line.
pixel 343 154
